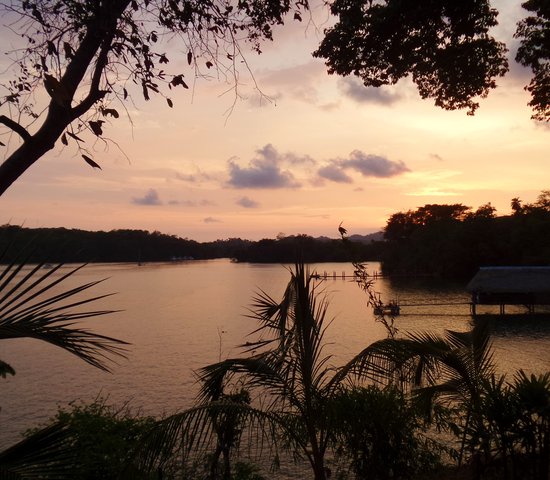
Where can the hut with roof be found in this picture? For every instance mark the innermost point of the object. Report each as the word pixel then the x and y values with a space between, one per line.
pixel 527 286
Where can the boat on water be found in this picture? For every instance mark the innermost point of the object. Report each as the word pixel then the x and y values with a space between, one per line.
pixel 391 308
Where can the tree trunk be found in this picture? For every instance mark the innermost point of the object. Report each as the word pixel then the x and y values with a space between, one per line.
pixel 98 37
pixel 34 147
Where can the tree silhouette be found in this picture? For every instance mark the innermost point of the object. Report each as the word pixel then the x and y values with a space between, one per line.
pixel 444 46
pixel 86 53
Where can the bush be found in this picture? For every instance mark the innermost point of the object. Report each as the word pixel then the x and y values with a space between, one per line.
pixel 380 434
pixel 102 439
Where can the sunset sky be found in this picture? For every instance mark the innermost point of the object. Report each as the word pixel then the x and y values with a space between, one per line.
pixel 316 150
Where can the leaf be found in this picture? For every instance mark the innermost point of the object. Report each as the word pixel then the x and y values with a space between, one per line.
pixel 169 102
pixel 209 64
pixel 68 50
pixel 95 125
pixel 52 50
pixel 36 14
pixel 110 111
pixel 74 136
pixel 125 93
pixel 145 91
pixel 64 139
pixel 189 57
pixel 163 58
pixel 297 17
pixel 178 80
pixel 90 162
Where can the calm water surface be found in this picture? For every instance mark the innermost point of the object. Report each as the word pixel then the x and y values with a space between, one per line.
pixel 182 316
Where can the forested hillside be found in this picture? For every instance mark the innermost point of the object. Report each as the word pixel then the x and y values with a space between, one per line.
pixel 71 245
pixel 454 241
pixel 441 240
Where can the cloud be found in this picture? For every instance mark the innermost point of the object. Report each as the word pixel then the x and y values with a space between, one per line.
pixel 334 173
pixel 366 164
pixel 437 157
pixel 264 171
pixel 191 203
pixel 373 165
pixel 150 198
pixel 354 89
pixel 185 203
pixel 211 220
pixel 193 177
pixel 299 82
pixel 247 202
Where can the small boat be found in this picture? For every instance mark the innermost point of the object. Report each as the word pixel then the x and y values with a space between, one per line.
pixel 391 308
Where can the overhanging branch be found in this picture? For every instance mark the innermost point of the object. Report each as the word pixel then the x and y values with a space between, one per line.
pixel 95 94
pixel 15 127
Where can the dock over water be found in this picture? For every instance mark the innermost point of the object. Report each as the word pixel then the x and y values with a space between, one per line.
pixel 526 286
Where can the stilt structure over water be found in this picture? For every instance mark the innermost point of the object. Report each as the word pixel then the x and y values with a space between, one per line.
pixel 527 286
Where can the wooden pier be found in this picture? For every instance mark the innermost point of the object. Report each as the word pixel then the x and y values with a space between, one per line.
pixel 342 275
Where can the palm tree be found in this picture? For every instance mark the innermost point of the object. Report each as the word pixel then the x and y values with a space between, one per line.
pixel 452 369
pixel 33 304
pixel 286 362
pixel 288 366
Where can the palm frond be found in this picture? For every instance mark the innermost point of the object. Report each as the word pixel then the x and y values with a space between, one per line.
pixel 193 431
pixel 6 369
pixel 266 372
pixel 47 453
pixel 32 306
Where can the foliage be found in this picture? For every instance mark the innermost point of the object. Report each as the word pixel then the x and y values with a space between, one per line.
pixel 47 453
pixel 228 428
pixel 289 367
pixel 381 433
pixel 246 471
pixel 103 437
pixel 500 426
pixel 445 46
pixel 74 246
pixel 87 55
pixel 454 241
pixel 33 306
pixel 290 379
pixel 90 57
pixel 97 442
pixel 534 52
pixel 532 394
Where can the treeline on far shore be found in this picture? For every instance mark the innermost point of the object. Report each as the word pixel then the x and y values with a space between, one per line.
pixel 440 240
pixel 455 240
pixel 62 245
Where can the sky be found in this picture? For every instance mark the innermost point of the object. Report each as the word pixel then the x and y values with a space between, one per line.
pixel 303 153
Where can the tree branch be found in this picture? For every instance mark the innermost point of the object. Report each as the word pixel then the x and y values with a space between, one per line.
pixel 15 127
pixel 94 93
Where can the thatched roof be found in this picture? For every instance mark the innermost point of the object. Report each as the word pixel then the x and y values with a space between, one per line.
pixel 511 280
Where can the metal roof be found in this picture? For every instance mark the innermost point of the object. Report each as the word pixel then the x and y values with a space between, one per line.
pixel 511 280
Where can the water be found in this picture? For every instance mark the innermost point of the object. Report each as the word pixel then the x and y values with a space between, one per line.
pixel 180 317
